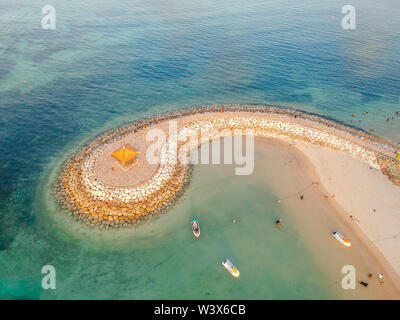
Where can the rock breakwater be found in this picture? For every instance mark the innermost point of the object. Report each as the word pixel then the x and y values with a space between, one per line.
pixel 83 194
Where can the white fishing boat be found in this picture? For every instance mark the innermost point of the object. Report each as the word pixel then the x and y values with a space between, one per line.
pixel 231 268
pixel 196 228
pixel 339 237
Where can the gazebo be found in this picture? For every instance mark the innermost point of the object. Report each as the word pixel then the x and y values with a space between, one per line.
pixel 126 155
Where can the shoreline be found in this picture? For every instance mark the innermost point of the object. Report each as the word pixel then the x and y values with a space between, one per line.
pixel 86 189
pixel 77 187
pixel 375 232
pixel 317 216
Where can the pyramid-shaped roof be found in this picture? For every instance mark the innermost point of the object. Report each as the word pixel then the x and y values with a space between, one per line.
pixel 125 154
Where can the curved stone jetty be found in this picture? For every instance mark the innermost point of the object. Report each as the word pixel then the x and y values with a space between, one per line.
pixel 95 189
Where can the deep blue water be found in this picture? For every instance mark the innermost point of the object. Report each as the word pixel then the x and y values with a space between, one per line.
pixel 113 62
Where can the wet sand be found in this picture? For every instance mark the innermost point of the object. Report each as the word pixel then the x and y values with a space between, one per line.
pixel 340 161
pixel 366 201
pixel 316 218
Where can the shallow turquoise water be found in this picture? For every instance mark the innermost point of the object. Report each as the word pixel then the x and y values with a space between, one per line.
pixel 163 260
pixel 110 63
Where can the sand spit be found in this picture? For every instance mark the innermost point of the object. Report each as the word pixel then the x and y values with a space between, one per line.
pixel 93 188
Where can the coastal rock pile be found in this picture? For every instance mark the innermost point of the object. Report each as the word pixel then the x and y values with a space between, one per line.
pixel 83 195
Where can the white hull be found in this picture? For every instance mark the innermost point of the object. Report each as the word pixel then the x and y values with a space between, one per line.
pixel 196 228
pixel 231 268
pixel 341 239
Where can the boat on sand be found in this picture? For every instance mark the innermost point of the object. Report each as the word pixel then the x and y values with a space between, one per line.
pixel 339 237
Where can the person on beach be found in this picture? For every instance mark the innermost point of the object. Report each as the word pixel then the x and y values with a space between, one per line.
pixel 381 282
pixel 302 197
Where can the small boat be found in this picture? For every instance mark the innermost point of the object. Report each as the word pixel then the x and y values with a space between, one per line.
pixel 196 228
pixel 339 237
pixel 231 268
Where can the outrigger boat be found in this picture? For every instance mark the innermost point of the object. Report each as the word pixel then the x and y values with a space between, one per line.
pixel 339 237
pixel 231 268
pixel 196 228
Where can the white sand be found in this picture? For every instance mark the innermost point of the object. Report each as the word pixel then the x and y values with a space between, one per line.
pixel 359 190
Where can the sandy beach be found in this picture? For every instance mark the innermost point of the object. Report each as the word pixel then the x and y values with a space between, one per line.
pixel 317 216
pixel 365 200
pixel 144 170
pixel 347 164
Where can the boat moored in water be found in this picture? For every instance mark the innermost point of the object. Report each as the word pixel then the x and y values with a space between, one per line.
pixel 339 237
pixel 196 228
pixel 231 268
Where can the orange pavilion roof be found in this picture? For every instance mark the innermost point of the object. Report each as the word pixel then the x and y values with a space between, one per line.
pixel 125 154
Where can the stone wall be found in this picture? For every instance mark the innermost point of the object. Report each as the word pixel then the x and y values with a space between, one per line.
pixel 81 194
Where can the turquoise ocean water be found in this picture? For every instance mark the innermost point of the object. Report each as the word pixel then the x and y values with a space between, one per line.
pixel 109 63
